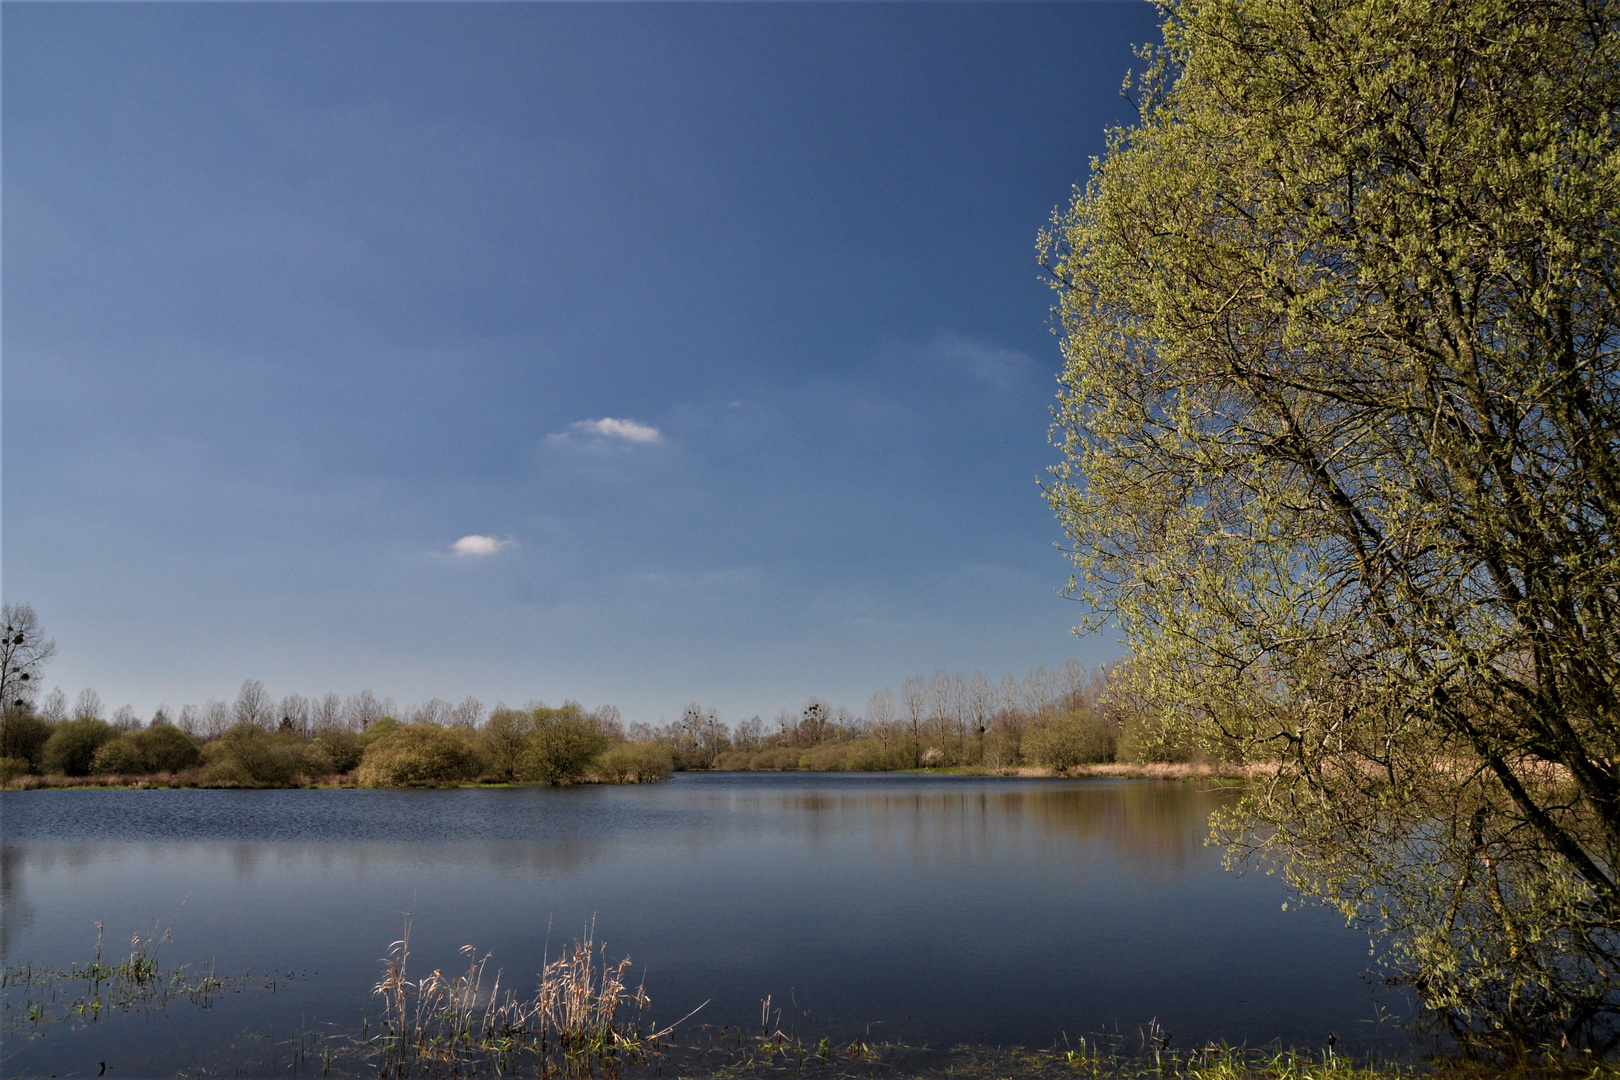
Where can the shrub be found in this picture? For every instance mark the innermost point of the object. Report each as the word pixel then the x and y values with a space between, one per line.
pixel 343 748
pixel 561 746
pixel 418 754
pixel 120 755
pixel 1074 738
pixel 502 742
pixel 247 754
pixel 23 735
pixel 73 745
pixel 12 767
pixel 640 762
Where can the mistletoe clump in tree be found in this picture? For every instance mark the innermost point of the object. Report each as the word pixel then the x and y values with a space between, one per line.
pixel 1340 428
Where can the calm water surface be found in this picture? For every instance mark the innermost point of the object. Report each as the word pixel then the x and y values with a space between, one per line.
pixel 931 909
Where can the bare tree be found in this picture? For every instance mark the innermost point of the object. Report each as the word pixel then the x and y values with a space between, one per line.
pixel 294 713
pixel 361 710
pixel 216 717
pixel 609 722
pixel 327 713
pixel 23 652
pixel 750 734
pixel 190 721
pixel 87 706
pixel 124 719
pixel 914 700
pixel 54 708
pixel 161 717
pixel 253 705
pixel 981 702
pixel 469 714
pixel 1037 691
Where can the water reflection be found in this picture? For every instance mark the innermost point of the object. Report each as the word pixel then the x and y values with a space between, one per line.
pixel 941 910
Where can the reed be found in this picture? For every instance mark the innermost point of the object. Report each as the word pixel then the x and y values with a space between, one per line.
pixel 585 1015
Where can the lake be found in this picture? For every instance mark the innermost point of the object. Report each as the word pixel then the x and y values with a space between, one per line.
pixel 933 910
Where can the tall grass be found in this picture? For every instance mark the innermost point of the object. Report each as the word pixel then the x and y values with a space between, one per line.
pixel 584 1016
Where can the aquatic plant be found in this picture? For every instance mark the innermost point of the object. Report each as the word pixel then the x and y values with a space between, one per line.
pixel 583 1016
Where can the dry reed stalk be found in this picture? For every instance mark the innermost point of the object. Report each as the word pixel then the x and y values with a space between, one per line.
pixel 584 1012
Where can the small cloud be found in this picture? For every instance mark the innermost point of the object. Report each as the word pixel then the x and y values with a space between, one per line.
pixel 610 428
pixel 476 547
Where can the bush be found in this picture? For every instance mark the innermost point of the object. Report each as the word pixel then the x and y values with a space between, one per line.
pixel 502 742
pixel 118 755
pixel 561 746
pixel 23 735
pixel 343 748
pixel 247 754
pixel 12 767
pixel 73 745
pixel 638 762
pixel 418 754
pixel 1074 738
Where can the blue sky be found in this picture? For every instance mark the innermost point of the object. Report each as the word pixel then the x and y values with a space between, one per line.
pixel 298 296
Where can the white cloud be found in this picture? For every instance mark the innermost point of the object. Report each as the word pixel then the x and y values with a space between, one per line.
pixel 476 546
pixel 610 428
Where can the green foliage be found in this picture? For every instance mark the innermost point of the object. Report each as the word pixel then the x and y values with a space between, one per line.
pixel 1080 737
pixel 502 742
pixel 159 748
pixel 638 762
pixel 12 767
pixel 416 755
pixel 23 735
pixel 73 745
pixel 343 749
pixel 1340 417
pixel 250 756
pixel 560 747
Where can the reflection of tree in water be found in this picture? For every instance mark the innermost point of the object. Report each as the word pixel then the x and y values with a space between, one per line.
pixel 1151 827
pixel 16 913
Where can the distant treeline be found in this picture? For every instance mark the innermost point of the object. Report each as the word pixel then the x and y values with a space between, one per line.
pixel 254 743
pixel 1047 720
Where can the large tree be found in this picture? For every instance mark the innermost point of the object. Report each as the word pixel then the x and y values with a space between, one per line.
pixel 1340 428
pixel 24 649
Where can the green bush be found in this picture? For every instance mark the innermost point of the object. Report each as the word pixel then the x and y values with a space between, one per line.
pixel 1074 738
pixel 23 735
pixel 343 748
pixel 73 745
pixel 418 754
pixel 640 762
pixel 502 742
pixel 246 754
pixel 12 767
pixel 119 755
pixel 561 747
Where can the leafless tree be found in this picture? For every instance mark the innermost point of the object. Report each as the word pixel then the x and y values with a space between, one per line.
pixel 294 714
pixel 23 652
pixel 54 708
pixel 750 734
pixel 87 706
pixel 216 717
pixel 1037 691
pixel 362 710
pixel 914 702
pixel 327 713
pixel 469 714
pixel 253 705
pixel 609 722
pixel 190 721
pixel 124 719
pixel 161 718
pixel 981 703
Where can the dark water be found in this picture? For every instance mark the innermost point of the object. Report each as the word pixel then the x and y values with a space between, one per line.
pixel 934 910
